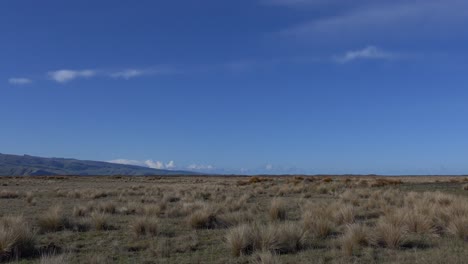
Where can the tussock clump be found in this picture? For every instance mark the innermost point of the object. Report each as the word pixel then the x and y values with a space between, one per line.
pixel 107 207
pixel 344 214
pixel 7 194
pixel 153 209
pixel 282 238
pixel 16 238
pixel 465 187
pixel 265 257
pixel 100 221
pixel 145 226
pixel 459 227
pixel 53 220
pixel 80 211
pixel 236 218
pixel 390 231
pixel 30 198
pixel 205 218
pixel 171 198
pixel 354 238
pixel 318 220
pixel 233 204
pixel 98 194
pixel 417 222
pixel 54 259
pixel 96 259
pixel 277 210
pixel 239 239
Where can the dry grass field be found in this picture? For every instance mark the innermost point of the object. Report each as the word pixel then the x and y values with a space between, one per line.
pixel 355 219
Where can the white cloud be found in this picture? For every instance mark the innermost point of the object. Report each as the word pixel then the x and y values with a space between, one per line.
pixel 133 73
pixel 294 3
pixel 147 163
pixel 127 162
pixel 200 167
pixel 369 52
pixel 268 167
pixel 19 81
pixel 127 74
pixel 170 165
pixel 366 20
pixel 154 164
pixel 63 76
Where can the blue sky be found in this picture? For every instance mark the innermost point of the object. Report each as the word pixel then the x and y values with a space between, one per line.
pixel 247 86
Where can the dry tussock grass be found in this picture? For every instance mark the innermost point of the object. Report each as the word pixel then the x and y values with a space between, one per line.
pixel 53 220
pixel 277 210
pixel 283 238
pixel 54 259
pixel 7 194
pixel 145 226
pixel 205 218
pixel 100 221
pixel 16 238
pixel 343 218
pixel 355 237
pixel 265 257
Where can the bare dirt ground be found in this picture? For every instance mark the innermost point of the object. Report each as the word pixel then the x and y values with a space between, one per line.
pixel 207 219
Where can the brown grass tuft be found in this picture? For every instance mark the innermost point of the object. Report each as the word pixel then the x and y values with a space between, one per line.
pixel 390 232
pixel 265 257
pixel 277 210
pixel 16 238
pixel 100 221
pixel 355 237
pixel 459 227
pixel 54 259
pixel 239 240
pixel 53 220
pixel 145 226
pixel 205 218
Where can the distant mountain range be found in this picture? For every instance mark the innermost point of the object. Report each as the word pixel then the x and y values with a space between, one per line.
pixel 15 165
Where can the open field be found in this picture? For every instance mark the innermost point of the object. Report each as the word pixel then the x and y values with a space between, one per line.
pixel 355 219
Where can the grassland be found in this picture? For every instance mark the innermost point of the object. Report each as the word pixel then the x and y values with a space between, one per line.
pixel 355 219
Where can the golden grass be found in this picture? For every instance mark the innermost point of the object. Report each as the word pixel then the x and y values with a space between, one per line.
pixel 277 210
pixel 355 237
pixel 277 220
pixel 100 221
pixel 16 238
pixel 145 226
pixel 53 220
pixel 265 257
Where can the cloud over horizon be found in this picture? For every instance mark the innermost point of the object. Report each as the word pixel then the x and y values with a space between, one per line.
pixel 147 163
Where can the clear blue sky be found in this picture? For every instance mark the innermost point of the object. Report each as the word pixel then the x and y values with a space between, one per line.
pixel 246 86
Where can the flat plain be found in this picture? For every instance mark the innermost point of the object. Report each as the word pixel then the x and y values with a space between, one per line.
pixel 234 219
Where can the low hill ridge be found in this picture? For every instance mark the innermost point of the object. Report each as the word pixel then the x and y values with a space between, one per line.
pixel 16 165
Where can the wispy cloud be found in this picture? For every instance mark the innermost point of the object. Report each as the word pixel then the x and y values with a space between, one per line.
pixel 154 164
pixel 19 81
pixel 200 167
pixel 369 53
pixel 363 20
pixel 65 75
pixel 127 162
pixel 127 74
pixel 301 3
